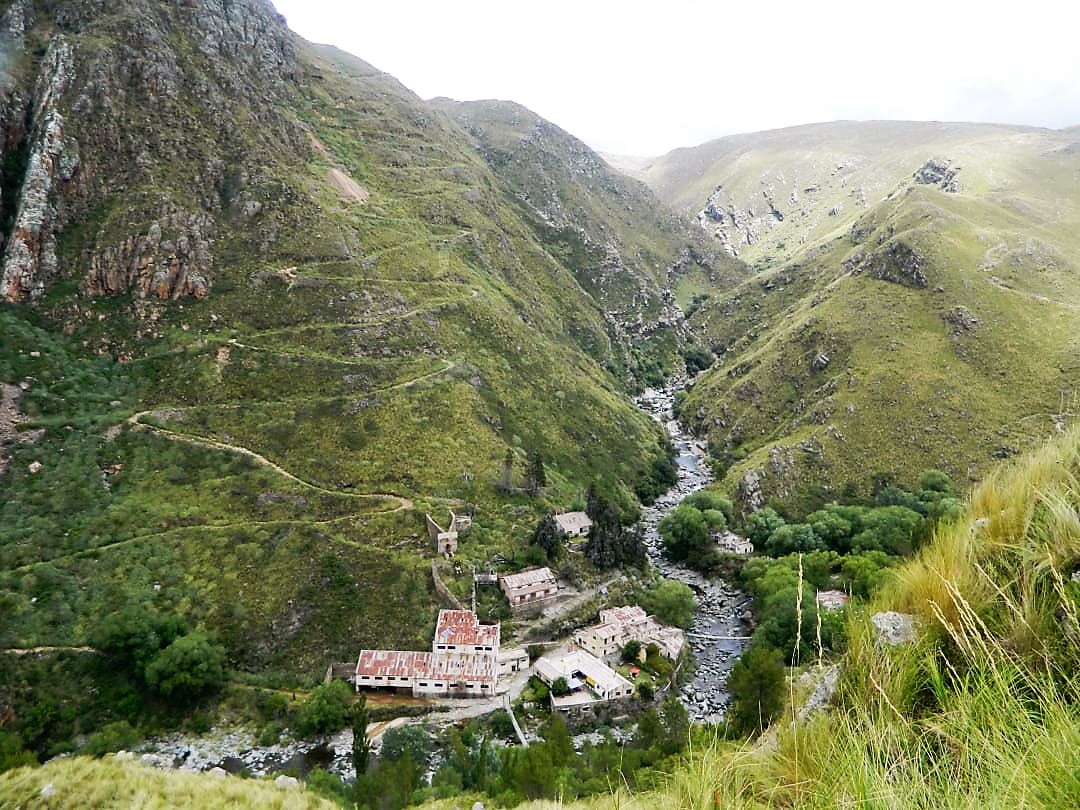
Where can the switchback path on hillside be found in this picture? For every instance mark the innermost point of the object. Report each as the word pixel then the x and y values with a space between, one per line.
pixel 213 444
pixel 135 421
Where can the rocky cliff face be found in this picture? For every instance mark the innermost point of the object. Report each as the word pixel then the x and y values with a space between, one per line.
pixel 104 129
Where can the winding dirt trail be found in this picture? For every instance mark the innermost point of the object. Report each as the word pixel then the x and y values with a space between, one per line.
pixel 135 421
pixel 213 444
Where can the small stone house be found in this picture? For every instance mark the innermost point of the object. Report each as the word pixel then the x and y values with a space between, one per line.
pixel 446 540
pixel 574 524
pixel 529 588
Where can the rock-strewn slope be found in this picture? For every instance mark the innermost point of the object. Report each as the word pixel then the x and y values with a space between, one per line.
pixel 916 301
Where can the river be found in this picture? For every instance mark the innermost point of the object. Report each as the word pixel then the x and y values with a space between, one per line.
pixel 722 611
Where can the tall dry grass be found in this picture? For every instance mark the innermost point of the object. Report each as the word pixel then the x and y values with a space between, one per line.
pixel 82 782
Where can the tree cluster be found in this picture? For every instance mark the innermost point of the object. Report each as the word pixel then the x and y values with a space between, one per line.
pixel 896 523
pixel 687 531
pixel 159 653
pixel 611 544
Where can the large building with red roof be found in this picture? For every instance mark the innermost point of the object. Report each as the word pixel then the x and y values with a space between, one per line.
pixel 463 661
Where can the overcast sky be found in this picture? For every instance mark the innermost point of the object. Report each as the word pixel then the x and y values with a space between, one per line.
pixel 644 78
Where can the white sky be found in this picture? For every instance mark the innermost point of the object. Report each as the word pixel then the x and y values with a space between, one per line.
pixel 643 78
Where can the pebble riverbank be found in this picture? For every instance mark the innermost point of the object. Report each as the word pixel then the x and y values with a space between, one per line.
pixel 723 612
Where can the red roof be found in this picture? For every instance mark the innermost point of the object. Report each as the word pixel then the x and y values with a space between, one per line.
pixel 461 628
pixel 400 664
pixel 424 665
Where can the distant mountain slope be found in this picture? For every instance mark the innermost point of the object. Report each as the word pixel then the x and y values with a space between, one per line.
pixel 629 251
pixel 917 300
pixel 768 195
pixel 268 307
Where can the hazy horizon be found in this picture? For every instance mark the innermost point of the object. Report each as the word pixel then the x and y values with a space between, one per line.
pixel 628 79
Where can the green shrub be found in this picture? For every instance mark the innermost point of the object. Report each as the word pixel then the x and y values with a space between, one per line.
pixel 118 736
pixel 325 710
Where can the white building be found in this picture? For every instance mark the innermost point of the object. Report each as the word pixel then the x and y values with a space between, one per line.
pixel 464 661
pixel 574 524
pixel 733 543
pixel 581 670
pixel 831 600
pixel 629 623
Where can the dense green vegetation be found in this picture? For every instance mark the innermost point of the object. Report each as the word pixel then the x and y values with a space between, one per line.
pixel 473 763
pixel 253 466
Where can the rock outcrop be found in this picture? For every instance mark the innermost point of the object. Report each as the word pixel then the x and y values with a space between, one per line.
pixel 897 263
pixel 155 265
pixel 940 173
pixel 114 129
pixel 30 250
pixel 893 629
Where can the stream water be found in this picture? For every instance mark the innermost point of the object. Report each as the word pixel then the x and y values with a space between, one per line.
pixel 720 621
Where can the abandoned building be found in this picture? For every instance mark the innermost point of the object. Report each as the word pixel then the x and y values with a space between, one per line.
pixel 620 625
pixel 574 524
pixel 529 588
pixel 446 540
pixel 831 599
pixel 733 543
pixel 582 671
pixel 464 661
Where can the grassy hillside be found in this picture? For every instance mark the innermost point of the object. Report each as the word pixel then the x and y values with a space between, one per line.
pixel 108 783
pixel 979 711
pixel 632 254
pixel 291 309
pixel 894 324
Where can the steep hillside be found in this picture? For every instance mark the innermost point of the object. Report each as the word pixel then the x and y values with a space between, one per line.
pixel 916 302
pixel 765 196
pixel 264 308
pixel 630 252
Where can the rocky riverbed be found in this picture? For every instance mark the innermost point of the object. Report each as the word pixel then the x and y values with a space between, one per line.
pixel 236 750
pixel 721 620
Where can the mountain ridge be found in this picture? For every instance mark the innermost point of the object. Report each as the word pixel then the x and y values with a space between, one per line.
pixel 288 297
pixel 895 274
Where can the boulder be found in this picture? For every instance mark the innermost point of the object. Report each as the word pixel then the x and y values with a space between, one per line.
pixel 155 761
pixel 48 790
pixel 217 772
pixel 894 628
pixel 287 782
